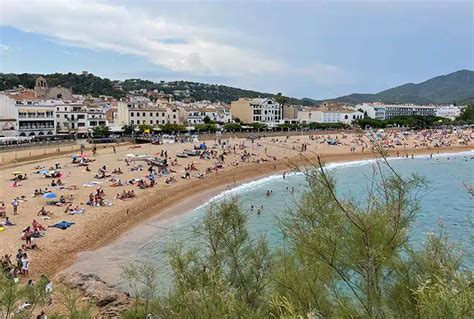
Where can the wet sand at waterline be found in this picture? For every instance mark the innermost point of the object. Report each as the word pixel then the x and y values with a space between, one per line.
pixel 99 226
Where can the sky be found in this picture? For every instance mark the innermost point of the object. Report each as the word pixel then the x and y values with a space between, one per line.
pixel 318 49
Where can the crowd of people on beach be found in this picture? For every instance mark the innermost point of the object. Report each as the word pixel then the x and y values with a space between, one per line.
pixel 202 161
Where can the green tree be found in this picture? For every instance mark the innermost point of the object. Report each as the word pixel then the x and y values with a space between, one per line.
pixel 170 128
pixel 207 120
pixel 128 129
pixel 231 127
pixel 101 131
pixel 13 295
pixel 280 99
pixel 142 128
pixel 467 115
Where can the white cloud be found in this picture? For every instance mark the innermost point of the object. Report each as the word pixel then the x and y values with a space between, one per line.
pixel 176 46
pixel 4 48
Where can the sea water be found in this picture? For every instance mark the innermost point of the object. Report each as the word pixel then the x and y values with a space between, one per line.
pixel 444 200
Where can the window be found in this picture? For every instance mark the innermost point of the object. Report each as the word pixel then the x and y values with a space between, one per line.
pixel 132 122
pixel 138 121
pixel 132 114
pixel 143 114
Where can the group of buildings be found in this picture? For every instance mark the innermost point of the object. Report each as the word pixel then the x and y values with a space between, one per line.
pixel 48 111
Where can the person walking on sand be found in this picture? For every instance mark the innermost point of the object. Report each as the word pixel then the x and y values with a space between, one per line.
pixel 15 204
pixel 25 264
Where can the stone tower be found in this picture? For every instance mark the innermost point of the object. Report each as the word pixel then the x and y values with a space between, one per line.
pixel 41 87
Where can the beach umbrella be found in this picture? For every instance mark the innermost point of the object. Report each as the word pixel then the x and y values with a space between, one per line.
pixel 49 195
pixel 17 173
pixel 43 171
pixel 75 156
pixel 130 155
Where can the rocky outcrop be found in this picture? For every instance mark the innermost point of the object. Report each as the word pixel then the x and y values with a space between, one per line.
pixel 110 300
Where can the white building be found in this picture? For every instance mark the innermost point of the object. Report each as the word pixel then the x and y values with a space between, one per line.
pixel 324 114
pixel 134 113
pixel 217 114
pixel 71 118
pixel 373 110
pixel 36 118
pixel 76 117
pixel 381 111
pixel 258 110
pixel 448 111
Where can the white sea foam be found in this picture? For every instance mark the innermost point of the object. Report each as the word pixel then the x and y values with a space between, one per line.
pixel 330 166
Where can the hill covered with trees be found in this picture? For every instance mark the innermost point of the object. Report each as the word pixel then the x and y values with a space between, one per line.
pixel 457 87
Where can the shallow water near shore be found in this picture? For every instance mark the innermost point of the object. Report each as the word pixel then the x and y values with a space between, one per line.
pixel 445 200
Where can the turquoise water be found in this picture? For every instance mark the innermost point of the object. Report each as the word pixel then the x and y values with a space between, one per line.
pixel 444 200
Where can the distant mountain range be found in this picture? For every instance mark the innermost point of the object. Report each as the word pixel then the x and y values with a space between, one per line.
pixel 457 87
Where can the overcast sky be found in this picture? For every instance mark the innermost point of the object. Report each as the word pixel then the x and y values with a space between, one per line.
pixel 317 49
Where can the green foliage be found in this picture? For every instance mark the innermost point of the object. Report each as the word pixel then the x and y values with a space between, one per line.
pixel 413 121
pixel 229 275
pixel 79 83
pixel 128 129
pixel 96 86
pixel 280 99
pixel 258 126
pixel 373 123
pixel 13 295
pixel 101 131
pixel 467 115
pixel 171 128
pixel 326 126
pixel 231 127
pixel 207 120
pixel 205 127
pixel 144 127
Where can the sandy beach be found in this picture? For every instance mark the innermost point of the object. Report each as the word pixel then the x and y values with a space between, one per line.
pixel 244 160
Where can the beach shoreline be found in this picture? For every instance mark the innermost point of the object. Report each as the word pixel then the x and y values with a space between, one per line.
pixel 166 212
pixel 102 226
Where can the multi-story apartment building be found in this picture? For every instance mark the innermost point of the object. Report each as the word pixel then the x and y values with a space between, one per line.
pixel 76 117
pixel 217 114
pixel 36 118
pixel 257 110
pixel 330 115
pixel 382 111
pixel 322 114
pixel 138 113
pixel 373 110
pixel 71 118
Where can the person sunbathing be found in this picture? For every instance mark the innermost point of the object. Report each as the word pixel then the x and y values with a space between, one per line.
pixel 29 247
pixel 44 212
